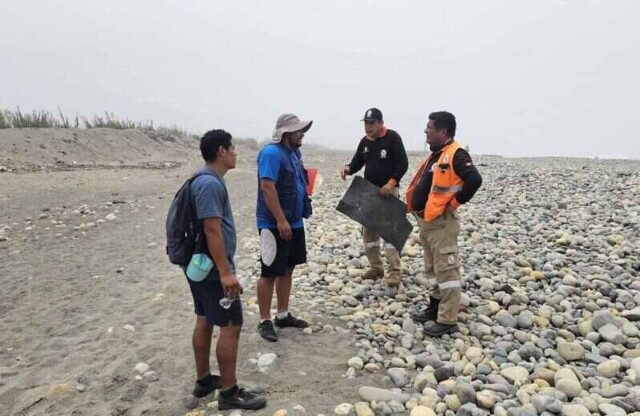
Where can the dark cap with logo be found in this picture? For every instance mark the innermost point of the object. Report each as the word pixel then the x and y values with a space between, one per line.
pixel 372 114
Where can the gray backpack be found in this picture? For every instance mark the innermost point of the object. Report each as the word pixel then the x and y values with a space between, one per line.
pixel 185 235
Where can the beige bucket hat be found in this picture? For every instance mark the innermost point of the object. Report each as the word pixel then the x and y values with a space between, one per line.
pixel 289 123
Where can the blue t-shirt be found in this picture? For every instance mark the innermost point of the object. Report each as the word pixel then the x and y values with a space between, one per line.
pixel 211 200
pixel 269 160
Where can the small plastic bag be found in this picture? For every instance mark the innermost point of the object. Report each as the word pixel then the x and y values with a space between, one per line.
pixel 199 267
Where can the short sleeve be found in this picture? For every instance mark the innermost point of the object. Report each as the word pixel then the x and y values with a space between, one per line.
pixel 209 197
pixel 269 163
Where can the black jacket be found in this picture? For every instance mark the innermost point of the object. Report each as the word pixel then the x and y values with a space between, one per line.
pixel 383 158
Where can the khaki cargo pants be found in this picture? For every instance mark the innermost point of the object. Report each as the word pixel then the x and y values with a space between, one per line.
pixel 372 250
pixel 439 240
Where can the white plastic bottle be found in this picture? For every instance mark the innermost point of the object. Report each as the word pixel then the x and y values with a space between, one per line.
pixel 226 301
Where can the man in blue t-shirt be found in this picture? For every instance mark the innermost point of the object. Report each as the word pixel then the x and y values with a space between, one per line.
pixel 282 204
pixel 211 201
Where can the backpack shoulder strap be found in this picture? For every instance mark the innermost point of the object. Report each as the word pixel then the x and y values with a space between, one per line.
pixel 207 173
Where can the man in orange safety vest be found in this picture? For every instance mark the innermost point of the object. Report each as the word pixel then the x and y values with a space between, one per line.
pixel 446 180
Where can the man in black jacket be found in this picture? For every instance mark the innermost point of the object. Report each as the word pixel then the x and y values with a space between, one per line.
pixel 382 154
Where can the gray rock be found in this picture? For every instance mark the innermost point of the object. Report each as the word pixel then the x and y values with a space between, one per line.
pixel 150 376
pixel 141 368
pixel 465 392
pixel 572 388
pixel 616 390
pixel 515 374
pixel 544 403
pixel 570 351
pixel 397 407
pixel 399 376
pixel 479 330
pixel 505 319
pixel 632 315
pixel 609 332
pixel 528 350
pixel 609 368
pixel 443 373
pixel 470 409
pixel 425 359
pixel 382 409
pixel 601 318
pixel 369 394
pixel 611 410
pixel 575 410
pixel 525 319
pixel 266 359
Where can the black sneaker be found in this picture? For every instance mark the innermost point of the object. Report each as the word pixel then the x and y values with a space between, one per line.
pixel 207 385
pixel 428 314
pixel 438 330
pixel 290 322
pixel 241 399
pixel 267 331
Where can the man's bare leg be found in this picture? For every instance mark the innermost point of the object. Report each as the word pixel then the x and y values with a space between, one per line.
pixel 227 354
pixel 202 346
pixel 283 290
pixel 265 296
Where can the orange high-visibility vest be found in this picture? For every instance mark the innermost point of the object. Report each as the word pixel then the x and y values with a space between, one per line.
pixel 445 185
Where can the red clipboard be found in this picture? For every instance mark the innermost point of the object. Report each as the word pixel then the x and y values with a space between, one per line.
pixel 314 180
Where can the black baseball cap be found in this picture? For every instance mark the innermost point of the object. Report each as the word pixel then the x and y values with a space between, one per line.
pixel 372 114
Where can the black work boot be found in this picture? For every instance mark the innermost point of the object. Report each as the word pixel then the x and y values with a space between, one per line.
pixel 428 314
pixel 437 329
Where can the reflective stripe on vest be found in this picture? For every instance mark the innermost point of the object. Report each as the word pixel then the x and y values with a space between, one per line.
pixel 443 190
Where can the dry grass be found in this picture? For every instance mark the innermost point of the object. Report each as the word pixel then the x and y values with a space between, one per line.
pixel 46 119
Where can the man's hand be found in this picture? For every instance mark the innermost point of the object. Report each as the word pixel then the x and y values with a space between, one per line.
pixel 285 230
pixel 231 285
pixel 386 191
pixel 345 171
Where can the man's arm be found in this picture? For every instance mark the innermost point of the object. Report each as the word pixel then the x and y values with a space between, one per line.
pixel 268 189
pixel 356 161
pixel 215 242
pixel 463 167
pixel 400 160
pixel 400 165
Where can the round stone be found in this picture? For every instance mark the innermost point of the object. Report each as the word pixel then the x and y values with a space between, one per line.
pixel 575 410
pixel 570 351
pixel 609 368
pixel 363 409
pixel 355 363
pixel 571 388
pixel 474 354
pixel 515 374
pixel 422 411
pixel 343 409
pixel 611 410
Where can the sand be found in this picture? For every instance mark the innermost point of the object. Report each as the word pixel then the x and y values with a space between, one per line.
pixel 88 292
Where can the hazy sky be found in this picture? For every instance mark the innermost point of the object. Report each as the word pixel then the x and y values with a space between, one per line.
pixel 522 77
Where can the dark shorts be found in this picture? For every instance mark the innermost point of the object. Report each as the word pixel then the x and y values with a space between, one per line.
pixel 206 302
pixel 288 253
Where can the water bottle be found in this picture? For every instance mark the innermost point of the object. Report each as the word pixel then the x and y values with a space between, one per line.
pixel 227 301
